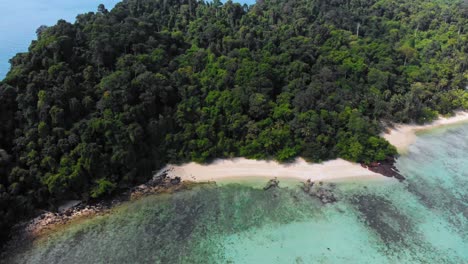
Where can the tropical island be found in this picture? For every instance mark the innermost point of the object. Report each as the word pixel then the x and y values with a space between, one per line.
pixel 97 106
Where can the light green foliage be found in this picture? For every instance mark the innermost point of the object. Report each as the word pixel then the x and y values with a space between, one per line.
pixel 44 41
pixel 103 187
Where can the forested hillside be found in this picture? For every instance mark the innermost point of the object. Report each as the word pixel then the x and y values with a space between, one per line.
pixel 95 106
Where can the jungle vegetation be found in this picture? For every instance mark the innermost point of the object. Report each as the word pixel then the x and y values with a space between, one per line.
pixel 95 106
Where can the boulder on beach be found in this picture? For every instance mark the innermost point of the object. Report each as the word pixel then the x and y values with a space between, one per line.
pixel 65 205
pixel 176 180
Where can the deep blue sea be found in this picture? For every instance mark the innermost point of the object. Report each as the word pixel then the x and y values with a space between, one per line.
pixel 20 19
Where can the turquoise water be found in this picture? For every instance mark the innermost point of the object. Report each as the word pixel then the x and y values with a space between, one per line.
pixel 422 220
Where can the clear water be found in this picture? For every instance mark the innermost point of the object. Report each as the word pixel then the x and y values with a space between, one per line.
pixel 20 19
pixel 422 220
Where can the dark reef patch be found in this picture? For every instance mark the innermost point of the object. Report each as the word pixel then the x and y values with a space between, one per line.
pixel 439 199
pixel 396 230
pixel 392 227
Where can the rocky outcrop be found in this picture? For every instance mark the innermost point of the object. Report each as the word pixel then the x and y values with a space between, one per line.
pixel 48 220
pixel 324 192
pixel 175 181
pixel 66 205
pixel 273 183
pixel 385 167
pixel 307 186
pixel 74 209
pixel 160 177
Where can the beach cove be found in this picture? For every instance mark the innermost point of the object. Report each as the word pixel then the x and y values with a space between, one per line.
pixel 401 136
pixel 419 220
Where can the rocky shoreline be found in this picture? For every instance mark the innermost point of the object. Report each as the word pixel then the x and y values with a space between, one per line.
pixel 386 168
pixel 166 181
pixel 77 210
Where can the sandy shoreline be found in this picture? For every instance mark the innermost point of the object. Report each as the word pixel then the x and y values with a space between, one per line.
pixel 242 168
pixel 402 135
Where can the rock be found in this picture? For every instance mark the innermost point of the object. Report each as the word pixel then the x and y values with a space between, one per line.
pixel 386 168
pixel 68 205
pixel 72 209
pixel 156 180
pixel 69 212
pixel 175 181
pixel 323 192
pixel 307 186
pixel 273 183
pixel 161 175
pixel 162 178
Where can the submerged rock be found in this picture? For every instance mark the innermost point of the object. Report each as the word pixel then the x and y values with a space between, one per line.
pixel 307 186
pixel 323 192
pixel 325 196
pixel 273 183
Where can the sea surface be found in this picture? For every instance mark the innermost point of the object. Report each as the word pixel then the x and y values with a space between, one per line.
pixel 421 220
pixel 20 19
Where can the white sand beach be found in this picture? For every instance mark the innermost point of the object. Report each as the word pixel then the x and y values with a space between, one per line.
pixel 402 136
pixel 242 168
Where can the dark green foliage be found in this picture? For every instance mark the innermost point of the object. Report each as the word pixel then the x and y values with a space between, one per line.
pixel 97 105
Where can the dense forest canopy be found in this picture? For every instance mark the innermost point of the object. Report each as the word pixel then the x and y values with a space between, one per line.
pixel 95 106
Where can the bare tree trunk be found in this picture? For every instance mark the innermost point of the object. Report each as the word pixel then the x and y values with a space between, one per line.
pixel 190 7
pixel 357 29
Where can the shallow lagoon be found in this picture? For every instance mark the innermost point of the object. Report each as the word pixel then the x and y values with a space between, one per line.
pixel 422 220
